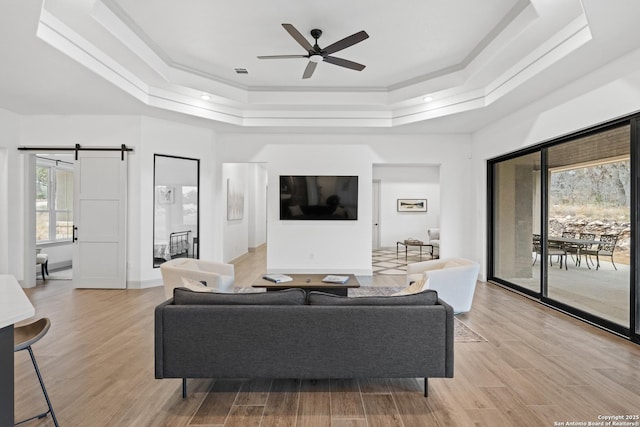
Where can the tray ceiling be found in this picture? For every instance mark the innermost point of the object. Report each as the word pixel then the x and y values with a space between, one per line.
pixel 465 55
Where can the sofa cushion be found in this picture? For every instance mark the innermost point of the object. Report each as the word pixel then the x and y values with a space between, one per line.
pixel 184 296
pixel 427 297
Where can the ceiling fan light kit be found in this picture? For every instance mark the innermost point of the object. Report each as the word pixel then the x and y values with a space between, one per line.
pixel 316 54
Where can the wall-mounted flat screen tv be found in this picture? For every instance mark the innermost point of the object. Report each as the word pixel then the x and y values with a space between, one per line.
pixel 318 197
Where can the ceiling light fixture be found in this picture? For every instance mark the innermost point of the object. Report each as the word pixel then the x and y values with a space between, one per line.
pixel 205 97
pixel 427 98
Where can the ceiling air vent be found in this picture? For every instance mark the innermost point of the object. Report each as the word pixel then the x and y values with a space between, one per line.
pixel 241 71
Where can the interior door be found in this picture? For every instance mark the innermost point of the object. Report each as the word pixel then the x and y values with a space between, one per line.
pixel 100 206
pixel 375 241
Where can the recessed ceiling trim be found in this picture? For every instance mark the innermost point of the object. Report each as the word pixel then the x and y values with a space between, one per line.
pixel 122 27
pixel 294 107
pixel 496 31
pixel 504 23
pixel 58 35
pixel 171 101
pixel 197 110
pixel 108 13
pixel 570 38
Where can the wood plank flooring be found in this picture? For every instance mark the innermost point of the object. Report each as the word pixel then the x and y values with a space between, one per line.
pixel 538 367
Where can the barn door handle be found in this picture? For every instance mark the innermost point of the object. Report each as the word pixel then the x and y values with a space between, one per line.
pixel 73 236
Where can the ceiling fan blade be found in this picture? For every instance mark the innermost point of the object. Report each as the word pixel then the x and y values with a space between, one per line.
pixel 344 63
pixel 282 56
pixel 298 37
pixel 346 42
pixel 308 72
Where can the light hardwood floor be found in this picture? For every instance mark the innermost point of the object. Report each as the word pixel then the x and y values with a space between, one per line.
pixel 537 367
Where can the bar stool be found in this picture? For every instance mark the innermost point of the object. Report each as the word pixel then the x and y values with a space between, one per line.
pixel 23 337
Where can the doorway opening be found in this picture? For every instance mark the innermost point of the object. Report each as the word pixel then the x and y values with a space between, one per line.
pixel 53 204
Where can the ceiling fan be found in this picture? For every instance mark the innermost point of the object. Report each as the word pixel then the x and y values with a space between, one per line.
pixel 316 54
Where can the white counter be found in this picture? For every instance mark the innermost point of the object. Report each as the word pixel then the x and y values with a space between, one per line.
pixel 14 304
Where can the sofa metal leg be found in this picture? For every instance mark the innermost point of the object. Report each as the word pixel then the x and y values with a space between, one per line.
pixel 184 388
pixel 426 387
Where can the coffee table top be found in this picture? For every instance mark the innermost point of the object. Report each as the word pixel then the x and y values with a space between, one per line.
pixel 305 281
pixel 417 243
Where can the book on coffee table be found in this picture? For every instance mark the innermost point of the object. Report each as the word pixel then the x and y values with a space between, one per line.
pixel 335 279
pixel 277 278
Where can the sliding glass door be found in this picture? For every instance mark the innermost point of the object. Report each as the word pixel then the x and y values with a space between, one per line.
pixel 562 217
pixel 516 219
pixel 589 209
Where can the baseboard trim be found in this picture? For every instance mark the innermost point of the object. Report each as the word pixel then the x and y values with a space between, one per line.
pixel 63 265
pixel 256 248
pixel 144 284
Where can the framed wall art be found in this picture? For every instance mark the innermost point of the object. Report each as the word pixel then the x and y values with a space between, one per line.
pixel 166 195
pixel 412 205
pixel 235 201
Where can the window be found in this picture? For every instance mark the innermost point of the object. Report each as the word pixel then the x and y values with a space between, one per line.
pixel 54 200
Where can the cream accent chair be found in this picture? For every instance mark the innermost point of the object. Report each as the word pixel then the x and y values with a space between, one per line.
pixel 434 240
pixel 453 278
pixel 218 276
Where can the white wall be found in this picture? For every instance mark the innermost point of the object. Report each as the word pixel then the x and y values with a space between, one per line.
pixel 407 182
pixel 173 139
pixel 346 246
pixel 236 231
pixel 605 94
pixel 11 256
pixel 319 246
pixel 242 235
pixel 257 204
pixel 64 131
pixel 453 154
pixel 147 136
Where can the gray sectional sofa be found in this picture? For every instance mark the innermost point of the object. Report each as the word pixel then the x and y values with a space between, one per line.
pixel 294 334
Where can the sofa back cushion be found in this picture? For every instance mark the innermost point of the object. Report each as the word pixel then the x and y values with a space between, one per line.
pixel 184 296
pixel 427 297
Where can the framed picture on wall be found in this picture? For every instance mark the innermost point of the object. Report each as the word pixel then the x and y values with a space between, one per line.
pixel 235 201
pixel 412 205
pixel 166 195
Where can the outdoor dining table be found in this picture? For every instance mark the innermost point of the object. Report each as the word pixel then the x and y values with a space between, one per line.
pixel 580 244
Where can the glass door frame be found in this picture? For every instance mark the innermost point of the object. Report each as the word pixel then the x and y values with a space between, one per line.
pixel 631 331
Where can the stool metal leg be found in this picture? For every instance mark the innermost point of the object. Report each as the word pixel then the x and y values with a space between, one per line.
pixel 44 391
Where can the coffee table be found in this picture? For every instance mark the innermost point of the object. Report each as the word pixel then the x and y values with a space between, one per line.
pixel 417 244
pixel 309 282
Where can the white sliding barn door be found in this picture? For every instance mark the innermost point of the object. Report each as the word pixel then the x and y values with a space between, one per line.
pixel 100 212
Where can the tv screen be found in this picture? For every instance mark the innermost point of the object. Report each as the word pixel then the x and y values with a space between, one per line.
pixel 318 197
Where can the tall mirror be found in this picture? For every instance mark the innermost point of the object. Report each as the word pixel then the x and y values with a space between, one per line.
pixel 176 220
